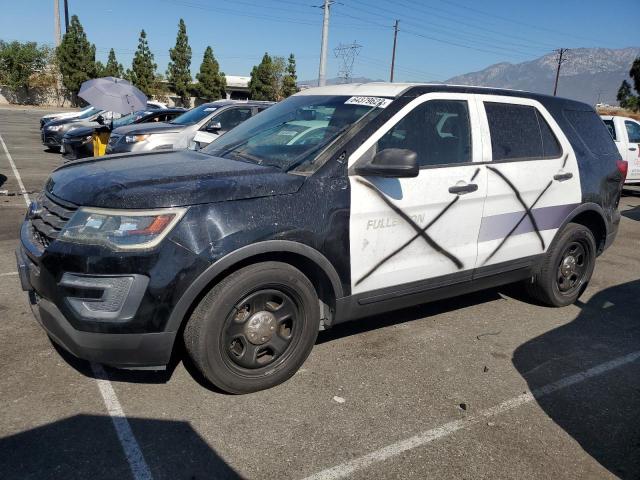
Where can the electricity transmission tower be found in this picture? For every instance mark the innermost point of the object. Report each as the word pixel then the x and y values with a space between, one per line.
pixel 347 53
pixel 560 58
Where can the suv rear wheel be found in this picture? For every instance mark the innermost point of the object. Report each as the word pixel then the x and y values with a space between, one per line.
pixel 566 268
pixel 255 328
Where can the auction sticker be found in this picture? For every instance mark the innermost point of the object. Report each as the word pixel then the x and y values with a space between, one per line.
pixel 379 102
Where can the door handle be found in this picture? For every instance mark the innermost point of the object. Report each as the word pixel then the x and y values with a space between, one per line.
pixel 462 189
pixel 561 177
pixel 633 149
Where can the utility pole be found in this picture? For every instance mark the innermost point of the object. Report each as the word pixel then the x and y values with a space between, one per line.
pixel 66 17
pixel 561 59
pixel 393 54
pixel 322 77
pixel 56 21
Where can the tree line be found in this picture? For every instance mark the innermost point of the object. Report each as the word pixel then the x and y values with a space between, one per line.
pixel 31 66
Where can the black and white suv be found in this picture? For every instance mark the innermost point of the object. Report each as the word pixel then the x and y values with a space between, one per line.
pixel 337 203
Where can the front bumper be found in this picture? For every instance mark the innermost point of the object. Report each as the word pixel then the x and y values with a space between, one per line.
pixel 51 139
pixel 77 149
pixel 123 350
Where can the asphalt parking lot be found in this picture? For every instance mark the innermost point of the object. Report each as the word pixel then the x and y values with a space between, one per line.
pixel 482 386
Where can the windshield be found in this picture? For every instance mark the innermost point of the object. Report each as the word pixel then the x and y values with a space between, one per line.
pixel 194 115
pixel 90 112
pixel 127 119
pixel 292 132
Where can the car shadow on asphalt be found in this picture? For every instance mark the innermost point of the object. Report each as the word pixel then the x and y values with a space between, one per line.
pixel 601 414
pixel 87 447
pixel 3 178
pixel 632 214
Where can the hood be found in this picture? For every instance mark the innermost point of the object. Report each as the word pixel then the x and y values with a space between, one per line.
pixel 166 179
pixel 66 121
pixel 82 131
pixel 142 128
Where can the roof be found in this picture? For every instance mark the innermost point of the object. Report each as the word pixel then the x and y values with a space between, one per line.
pixel 386 89
pixel 374 89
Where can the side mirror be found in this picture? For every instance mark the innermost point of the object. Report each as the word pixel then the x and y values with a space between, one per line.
pixel 100 119
pixel 214 127
pixel 391 162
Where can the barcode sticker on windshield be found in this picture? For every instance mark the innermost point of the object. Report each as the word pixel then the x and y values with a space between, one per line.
pixel 369 101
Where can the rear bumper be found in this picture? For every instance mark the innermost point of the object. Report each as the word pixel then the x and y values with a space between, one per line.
pixel 125 350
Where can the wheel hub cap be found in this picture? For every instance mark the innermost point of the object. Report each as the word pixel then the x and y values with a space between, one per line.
pixel 260 327
pixel 568 266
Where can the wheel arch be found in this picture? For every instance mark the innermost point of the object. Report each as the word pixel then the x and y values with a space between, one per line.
pixel 591 216
pixel 307 259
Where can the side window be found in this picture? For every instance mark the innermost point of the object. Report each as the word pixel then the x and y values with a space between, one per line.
pixel 611 127
pixel 520 132
pixel 439 131
pixel 232 117
pixel 633 131
pixel 591 130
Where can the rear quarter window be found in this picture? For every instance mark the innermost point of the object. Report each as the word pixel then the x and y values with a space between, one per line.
pixel 592 131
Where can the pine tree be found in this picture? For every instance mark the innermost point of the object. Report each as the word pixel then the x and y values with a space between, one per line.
pixel 178 73
pixel 289 82
pixel 76 58
pixel 261 85
pixel 634 73
pixel 113 68
pixel 211 82
pixel 143 68
pixel 624 92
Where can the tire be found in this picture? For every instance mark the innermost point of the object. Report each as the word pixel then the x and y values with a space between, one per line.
pixel 560 280
pixel 255 328
pixel 52 149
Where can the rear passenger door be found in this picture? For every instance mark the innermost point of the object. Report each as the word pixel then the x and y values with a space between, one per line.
pixel 414 230
pixel 533 180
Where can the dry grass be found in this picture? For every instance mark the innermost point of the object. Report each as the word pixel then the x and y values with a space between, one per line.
pixel 620 112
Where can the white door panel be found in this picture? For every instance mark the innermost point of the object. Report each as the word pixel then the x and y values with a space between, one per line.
pixel 525 204
pixel 386 250
pixel 631 149
pixel 404 230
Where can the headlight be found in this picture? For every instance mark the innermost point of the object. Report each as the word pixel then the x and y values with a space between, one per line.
pixel 121 229
pixel 87 139
pixel 135 138
pixel 54 128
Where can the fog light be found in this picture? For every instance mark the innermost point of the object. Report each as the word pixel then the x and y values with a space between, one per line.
pixel 104 298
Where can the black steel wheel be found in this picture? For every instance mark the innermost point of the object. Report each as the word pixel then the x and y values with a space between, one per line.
pixel 260 329
pixel 255 328
pixel 566 268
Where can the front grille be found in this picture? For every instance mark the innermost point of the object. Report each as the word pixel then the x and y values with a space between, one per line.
pixel 48 218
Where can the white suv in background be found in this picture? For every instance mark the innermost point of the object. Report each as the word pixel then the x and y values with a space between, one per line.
pixel 626 133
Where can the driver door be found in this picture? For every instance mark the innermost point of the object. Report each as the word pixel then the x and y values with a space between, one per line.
pixel 418 230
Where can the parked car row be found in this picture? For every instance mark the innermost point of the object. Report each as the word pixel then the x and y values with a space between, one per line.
pixel 146 130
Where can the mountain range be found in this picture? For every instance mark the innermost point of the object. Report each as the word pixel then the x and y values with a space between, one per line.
pixel 591 75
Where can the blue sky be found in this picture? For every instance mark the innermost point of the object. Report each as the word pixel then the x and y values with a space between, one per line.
pixel 438 38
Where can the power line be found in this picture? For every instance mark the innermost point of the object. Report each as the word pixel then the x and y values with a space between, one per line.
pixel 560 58
pixel 348 54
pixel 393 53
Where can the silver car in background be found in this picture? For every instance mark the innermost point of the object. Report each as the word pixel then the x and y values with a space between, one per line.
pixel 215 117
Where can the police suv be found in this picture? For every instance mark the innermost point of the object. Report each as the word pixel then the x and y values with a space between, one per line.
pixel 335 204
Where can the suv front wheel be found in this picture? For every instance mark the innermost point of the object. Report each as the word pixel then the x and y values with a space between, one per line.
pixel 255 328
pixel 566 268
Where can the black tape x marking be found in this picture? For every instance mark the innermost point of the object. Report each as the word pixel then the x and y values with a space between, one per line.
pixel 527 209
pixel 420 232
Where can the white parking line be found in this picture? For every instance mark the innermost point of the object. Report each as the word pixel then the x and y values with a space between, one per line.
pixel 23 190
pixel 346 469
pixel 137 463
pixel 132 451
pixel 8 274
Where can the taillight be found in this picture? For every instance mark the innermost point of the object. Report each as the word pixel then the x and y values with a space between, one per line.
pixel 623 168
